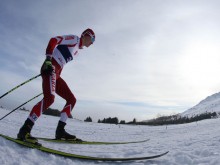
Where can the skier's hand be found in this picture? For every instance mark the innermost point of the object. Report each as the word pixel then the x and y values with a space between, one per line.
pixel 47 67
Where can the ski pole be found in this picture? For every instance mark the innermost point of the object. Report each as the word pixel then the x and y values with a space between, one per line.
pixel 20 85
pixel 20 106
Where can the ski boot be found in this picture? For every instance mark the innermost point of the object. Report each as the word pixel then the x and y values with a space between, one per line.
pixel 61 134
pixel 24 133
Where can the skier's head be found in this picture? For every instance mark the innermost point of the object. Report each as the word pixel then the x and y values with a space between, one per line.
pixel 88 37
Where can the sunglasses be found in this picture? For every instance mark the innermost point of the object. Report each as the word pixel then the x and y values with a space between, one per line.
pixel 93 39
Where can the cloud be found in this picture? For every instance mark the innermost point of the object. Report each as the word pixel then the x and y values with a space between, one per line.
pixel 148 57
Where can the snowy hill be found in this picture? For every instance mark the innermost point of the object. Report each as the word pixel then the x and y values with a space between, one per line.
pixel 210 104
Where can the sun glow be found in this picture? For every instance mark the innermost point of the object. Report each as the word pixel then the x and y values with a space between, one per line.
pixel 199 65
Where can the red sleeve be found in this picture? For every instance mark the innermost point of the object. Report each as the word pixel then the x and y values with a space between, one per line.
pixel 51 45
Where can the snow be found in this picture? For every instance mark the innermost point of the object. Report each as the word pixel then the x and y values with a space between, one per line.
pixel 210 104
pixel 189 144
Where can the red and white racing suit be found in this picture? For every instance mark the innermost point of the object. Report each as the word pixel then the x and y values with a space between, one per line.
pixel 61 49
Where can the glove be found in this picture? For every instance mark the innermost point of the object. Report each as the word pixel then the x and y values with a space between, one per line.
pixel 47 67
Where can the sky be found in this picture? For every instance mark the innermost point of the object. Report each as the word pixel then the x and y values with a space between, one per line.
pixel 150 57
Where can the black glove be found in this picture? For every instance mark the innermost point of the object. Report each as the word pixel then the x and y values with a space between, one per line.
pixel 47 67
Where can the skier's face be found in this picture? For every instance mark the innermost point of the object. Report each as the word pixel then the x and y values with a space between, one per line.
pixel 88 40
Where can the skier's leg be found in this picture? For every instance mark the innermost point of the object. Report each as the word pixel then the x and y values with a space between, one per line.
pixel 63 90
pixel 49 85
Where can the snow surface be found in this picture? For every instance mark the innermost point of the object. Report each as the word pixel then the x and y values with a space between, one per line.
pixel 189 144
pixel 210 104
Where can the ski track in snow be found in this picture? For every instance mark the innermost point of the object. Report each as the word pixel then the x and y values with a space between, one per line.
pixel 189 144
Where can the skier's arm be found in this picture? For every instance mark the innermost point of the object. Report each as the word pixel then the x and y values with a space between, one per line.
pixel 51 45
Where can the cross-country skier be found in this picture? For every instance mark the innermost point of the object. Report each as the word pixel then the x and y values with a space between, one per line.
pixel 60 50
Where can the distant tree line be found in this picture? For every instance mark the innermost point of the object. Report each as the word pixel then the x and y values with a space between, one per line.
pixel 132 122
pixel 177 119
pixel 162 120
pixel 111 120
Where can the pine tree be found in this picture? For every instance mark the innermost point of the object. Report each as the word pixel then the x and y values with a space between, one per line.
pixel 88 119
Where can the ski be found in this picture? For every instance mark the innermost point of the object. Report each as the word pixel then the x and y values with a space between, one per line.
pixel 89 142
pixel 76 156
